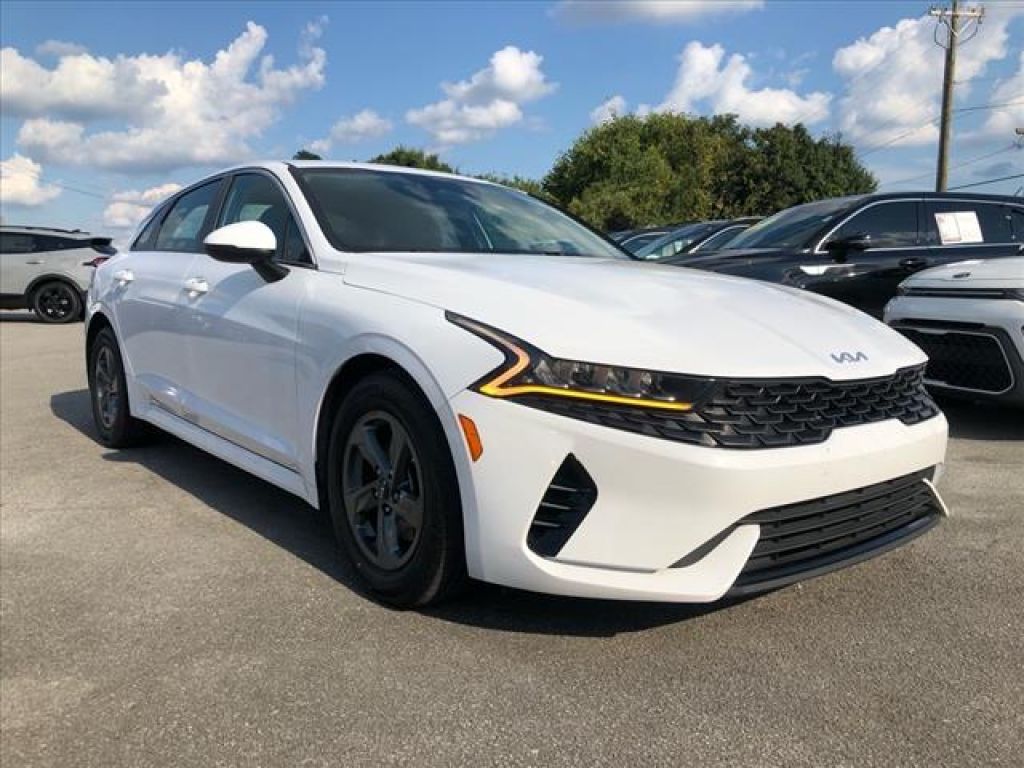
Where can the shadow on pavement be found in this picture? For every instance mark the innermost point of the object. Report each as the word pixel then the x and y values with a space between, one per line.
pixel 983 421
pixel 291 524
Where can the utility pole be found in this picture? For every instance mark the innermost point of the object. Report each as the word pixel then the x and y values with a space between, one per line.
pixel 960 26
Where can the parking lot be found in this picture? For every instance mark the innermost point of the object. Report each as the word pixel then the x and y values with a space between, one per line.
pixel 160 606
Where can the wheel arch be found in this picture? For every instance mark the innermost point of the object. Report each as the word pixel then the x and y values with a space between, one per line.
pixel 369 359
pixel 51 277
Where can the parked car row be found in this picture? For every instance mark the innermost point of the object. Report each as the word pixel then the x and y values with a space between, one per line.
pixel 49 270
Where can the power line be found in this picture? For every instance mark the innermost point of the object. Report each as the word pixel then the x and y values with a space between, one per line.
pixel 962 164
pixel 989 181
pixel 962 110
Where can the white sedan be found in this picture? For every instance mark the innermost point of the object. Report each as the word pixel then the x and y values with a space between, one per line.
pixel 472 384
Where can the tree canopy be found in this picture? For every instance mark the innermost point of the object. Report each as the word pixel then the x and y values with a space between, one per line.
pixel 413 158
pixel 666 168
pixel 305 154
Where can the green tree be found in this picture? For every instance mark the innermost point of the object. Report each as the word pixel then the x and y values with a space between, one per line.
pixel 530 186
pixel 413 158
pixel 305 154
pixel 669 168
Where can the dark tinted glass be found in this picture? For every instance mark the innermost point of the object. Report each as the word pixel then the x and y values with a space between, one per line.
pixel 145 239
pixel 674 242
pixel 183 229
pixel 255 197
pixel 889 225
pixel 793 227
pixel 1017 222
pixel 15 242
pixel 721 239
pixel 52 243
pixel 367 210
pixel 994 219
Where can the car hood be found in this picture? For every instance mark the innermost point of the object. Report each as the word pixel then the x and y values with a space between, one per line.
pixel 645 315
pixel 991 273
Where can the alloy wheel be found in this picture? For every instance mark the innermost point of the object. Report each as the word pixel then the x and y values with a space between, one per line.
pixel 382 489
pixel 106 386
pixel 55 302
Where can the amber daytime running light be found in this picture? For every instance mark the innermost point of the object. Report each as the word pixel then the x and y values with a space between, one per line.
pixel 528 372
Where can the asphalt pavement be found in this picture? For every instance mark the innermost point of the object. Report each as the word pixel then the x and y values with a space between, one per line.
pixel 159 607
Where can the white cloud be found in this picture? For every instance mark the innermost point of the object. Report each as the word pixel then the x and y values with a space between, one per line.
pixel 59 48
pixel 491 99
pixel 128 208
pixel 20 182
pixel 363 125
pixel 1003 122
pixel 894 78
pixel 608 110
pixel 651 11
pixel 706 79
pixel 174 112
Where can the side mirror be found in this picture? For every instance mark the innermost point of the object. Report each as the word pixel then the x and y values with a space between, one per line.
pixel 841 246
pixel 246 242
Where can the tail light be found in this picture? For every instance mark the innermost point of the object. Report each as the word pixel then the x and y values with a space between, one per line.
pixel 95 262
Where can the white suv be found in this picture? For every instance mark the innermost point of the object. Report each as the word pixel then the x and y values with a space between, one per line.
pixel 48 270
pixel 468 382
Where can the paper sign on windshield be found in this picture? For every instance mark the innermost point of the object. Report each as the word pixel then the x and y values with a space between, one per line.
pixel 958 227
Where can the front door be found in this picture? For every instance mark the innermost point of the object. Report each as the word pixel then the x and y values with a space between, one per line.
pixel 867 277
pixel 240 331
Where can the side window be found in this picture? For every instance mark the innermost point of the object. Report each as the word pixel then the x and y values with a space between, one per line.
pixel 952 222
pixel 255 197
pixel 145 239
pixel 184 227
pixel 15 242
pixel 890 225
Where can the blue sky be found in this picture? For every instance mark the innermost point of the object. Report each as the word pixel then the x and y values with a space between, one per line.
pixel 105 107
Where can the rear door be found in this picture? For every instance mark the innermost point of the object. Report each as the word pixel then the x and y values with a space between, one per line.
pixel 149 294
pixel 960 229
pixel 19 263
pixel 868 278
pixel 240 330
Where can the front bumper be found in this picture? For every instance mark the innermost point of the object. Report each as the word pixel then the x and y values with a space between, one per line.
pixel 976 345
pixel 657 500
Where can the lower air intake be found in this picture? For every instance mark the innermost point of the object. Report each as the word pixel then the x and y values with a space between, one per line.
pixel 569 497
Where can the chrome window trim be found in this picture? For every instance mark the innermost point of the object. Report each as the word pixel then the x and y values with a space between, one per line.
pixel 821 251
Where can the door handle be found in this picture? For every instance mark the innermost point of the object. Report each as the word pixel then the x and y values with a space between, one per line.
pixel 197 286
pixel 34 261
pixel 124 276
pixel 913 263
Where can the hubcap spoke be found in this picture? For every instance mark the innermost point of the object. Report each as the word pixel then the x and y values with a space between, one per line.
pixel 381 489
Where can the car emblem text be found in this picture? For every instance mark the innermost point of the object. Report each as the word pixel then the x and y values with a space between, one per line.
pixel 849 357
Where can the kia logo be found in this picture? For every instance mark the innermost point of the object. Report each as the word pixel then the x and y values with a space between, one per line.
pixel 849 357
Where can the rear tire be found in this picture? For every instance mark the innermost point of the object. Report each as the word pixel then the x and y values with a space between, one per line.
pixel 393 494
pixel 57 302
pixel 108 391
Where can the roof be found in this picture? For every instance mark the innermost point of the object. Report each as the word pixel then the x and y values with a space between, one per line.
pixel 955 195
pixel 31 230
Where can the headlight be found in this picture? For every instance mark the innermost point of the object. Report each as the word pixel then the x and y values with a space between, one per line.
pixel 530 374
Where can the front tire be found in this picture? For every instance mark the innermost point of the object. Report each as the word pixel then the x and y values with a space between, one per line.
pixel 393 494
pixel 57 302
pixel 108 390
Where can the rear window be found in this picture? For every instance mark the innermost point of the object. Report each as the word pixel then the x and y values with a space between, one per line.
pixel 953 222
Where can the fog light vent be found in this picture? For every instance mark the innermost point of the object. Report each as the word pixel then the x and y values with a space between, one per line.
pixel 566 503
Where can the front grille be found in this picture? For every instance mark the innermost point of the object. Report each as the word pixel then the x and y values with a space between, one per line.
pixel 811 537
pixel 567 500
pixel 750 414
pixel 965 360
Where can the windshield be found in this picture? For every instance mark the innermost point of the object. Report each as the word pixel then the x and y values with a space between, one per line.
pixel 675 241
pixel 793 227
pixel 369 210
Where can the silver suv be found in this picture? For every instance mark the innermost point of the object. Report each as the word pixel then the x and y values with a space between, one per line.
pixel 49 270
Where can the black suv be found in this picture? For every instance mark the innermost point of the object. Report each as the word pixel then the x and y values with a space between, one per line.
pixel 859 249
